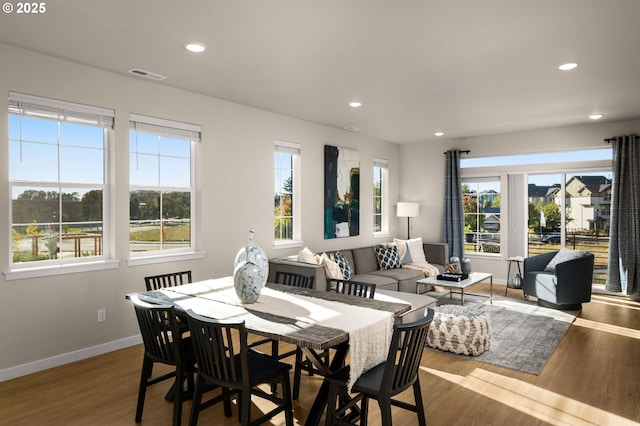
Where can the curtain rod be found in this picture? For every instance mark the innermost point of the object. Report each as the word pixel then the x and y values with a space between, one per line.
pixel 461 152
pixel 609 140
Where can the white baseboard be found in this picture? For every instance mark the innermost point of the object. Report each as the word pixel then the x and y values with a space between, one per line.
pixel 58 360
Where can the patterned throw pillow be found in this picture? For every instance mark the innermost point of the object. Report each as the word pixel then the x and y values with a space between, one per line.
pixel 344 265
pixel 388 257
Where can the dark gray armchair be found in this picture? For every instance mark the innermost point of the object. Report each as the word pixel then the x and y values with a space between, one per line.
pixel 567 288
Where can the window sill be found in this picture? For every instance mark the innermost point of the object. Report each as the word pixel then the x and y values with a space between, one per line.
pixel 381 235
pixel 162 258
pixel 482 255
pixel 46 271
pixel 279 245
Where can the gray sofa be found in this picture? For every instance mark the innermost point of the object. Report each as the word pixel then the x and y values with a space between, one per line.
pixel 365 266
pixel 567 288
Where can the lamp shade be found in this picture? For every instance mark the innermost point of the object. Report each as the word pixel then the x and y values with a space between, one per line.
pixel 408 209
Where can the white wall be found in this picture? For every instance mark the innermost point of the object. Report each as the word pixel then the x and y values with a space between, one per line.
pixel 422 171
pixel 46 319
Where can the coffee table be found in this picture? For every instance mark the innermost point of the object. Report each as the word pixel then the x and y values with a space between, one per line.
pixel 474 278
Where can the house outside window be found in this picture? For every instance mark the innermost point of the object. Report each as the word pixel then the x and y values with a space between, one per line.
pixel 286 194
pixel 162 189
pixel 380 215
pixel 58 169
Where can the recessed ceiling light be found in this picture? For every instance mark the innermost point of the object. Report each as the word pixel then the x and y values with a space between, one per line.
pixel 439 134
pixel 195 46
pixel 355 104
pixel 596 116
pixel 568 66
pixel 448 88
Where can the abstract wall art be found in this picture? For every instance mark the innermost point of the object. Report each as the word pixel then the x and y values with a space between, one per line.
pixel 341 192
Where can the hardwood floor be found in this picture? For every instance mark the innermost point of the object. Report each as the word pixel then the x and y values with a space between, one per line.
pixel 593 378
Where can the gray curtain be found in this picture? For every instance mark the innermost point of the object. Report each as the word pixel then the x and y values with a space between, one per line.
pixel 624 256
pixel 453 217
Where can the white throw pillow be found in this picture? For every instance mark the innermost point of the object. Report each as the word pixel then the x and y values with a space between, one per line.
pixel 562 256
pixel 307 256
pixel 416 251
pixel 331 268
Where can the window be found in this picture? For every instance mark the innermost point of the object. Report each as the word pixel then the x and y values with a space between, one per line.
pixel 380 219
pixel 556 199
pixel 285 197
pixel 161 193
pixel 578 220
pixel 57 178
pixel 481 200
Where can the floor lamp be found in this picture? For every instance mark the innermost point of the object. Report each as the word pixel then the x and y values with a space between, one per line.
pixel 408 210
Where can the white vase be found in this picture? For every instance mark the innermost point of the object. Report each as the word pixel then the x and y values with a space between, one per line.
pixel 250 272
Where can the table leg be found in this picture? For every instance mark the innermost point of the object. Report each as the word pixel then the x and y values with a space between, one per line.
pixel 491 290
pixel 462 297
pixel 320 403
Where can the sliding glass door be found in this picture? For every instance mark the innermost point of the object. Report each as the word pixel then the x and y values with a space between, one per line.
pixel 571 210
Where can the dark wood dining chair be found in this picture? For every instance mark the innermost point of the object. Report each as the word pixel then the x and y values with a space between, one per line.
pixel 224 359
pixel 163 343
pixel 384 381
pixel 353 288
pixel 293 279
pixel 156 282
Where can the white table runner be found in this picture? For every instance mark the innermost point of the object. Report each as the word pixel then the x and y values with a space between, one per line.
pixel 370 330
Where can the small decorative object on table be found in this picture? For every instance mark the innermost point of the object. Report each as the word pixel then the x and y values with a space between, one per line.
pixel 466 266
pixel 454 265
pixel 250 272
pixel 452 277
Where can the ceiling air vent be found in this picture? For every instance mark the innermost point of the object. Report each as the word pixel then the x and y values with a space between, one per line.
pixel 146 74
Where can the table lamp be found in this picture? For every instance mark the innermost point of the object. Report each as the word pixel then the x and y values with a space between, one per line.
pixel 408 210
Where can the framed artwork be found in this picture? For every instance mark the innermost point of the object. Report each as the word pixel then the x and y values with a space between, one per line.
pixel 341 192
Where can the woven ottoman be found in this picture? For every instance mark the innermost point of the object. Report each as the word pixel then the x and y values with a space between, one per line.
pixel 460 329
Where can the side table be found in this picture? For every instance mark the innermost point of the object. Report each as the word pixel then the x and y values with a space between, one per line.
pixel 516 281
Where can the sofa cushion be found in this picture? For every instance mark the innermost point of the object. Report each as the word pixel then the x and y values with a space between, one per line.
pixel 364 260
pixel 388 257
pixel 400 274
pixel 380 281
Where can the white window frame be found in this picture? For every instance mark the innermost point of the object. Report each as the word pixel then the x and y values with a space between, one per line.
pixel 71 112
pixel 179 130
pixel 488 177
pixel 383 166
pixel 295 150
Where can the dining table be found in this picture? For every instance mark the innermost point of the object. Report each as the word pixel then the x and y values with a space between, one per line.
pixel 310 319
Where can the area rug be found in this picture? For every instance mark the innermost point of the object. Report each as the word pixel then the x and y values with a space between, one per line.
pixel 524 335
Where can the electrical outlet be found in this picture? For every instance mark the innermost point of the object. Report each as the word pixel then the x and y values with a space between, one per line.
pixel 102 315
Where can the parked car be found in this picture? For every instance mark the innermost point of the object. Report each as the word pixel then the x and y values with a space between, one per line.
pixel 553 238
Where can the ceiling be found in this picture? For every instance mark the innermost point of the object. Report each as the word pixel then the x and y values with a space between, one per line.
pixel 463 67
